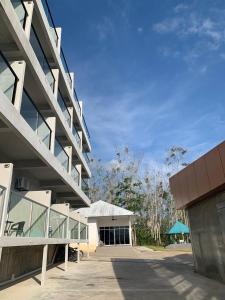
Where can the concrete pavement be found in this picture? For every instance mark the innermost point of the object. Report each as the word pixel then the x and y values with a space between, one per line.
pixel 122 273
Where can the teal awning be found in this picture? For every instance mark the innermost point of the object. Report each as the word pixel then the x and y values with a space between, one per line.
pixel 179 227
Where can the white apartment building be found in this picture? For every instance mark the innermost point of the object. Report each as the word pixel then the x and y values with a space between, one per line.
pixel 44 143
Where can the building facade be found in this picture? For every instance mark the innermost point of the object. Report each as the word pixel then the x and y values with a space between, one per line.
pixel 200 189
pixel 108 224
pixel 44 142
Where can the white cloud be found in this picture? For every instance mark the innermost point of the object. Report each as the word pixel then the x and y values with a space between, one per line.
pixel 105 28
pixel 180 7
pixel 140 29
pixel 199 37
pixel 168 25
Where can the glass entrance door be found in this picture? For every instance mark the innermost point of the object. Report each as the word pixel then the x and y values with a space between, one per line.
pixel 115 235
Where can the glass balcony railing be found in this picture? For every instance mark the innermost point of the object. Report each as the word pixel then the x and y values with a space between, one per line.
pixel 85 126
pixel 34 118
pixel 73 227
pixel 76 135
pixel 83 231
pixel 61 154
pixel 8 79
pixel 57 225
pixel 77 102
pixel 2 200
pixel 75 174
pixel 85 186
pixel 26 218
pixel 21 11
pixel 36 45
pixel 66 68
pixel 64 108
pixel 86 157
pixel 50 21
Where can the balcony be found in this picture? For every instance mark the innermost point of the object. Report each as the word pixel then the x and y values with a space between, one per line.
pixel 34 118
pixel 26 217
pixel 66 68
pixel 83 231
pixel 29 218
pixel 86 157
pixel 61 154
pixel 85 186
pixel 8 79
pixel 57 225
pixel 21 11
pixel 85 126
pixel 76 135
pixel 50 21
pixel 75 174
pixel 36 45
pixel 77 102
pixel 73 228
pixel 64 108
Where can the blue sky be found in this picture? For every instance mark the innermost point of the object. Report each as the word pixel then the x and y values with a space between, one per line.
pixel 151 73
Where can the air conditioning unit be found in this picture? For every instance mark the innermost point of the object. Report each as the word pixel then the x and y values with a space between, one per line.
pixel 22 184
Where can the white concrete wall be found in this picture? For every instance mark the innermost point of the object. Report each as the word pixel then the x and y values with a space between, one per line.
pixel 93 233
pixel 117 221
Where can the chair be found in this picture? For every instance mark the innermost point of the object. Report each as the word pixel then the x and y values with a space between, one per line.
pixel 17 228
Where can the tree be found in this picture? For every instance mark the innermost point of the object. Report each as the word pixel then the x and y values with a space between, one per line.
pixel 175 161
pixel 129 195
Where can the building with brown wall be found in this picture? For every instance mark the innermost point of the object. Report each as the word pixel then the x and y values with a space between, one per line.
pixel 200 189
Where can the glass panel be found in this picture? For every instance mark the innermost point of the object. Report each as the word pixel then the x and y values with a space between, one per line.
pixel 122 241
pixel 107 237
pixel 82 231
pixel 85 187
pixel 36 45
pixel 61 155
pixel 7 79
pixel 43 131
pixel 25 217
pixel 2 198
pixel 38 220
pixel 102 236
pixel 57 228
pixel 76 135
pixel 29 112
pixel 75 174
pixel 85 126
pixel 20 11
pixel 64 108
pixel 111 237
pixel 117 235
pixel 77 102
pixel 127 239
pixel 63 59
pixel 50 21
pixel 35 120
pixel 86 157
pixel 73 229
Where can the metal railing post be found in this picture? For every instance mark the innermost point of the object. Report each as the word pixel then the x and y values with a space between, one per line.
pixel 45 251
pixel 67 245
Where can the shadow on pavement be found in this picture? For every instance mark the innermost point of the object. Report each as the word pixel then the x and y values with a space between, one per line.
pixel 167 278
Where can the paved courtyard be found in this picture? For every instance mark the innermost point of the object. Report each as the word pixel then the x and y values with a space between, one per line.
pixel 122 273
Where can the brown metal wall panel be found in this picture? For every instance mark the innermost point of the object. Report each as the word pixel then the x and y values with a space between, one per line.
pixel 176 191
pixel 204 176
pixel 192 182
pixel 202 179
pixel 221 149
pixel 184 187
pixel 214 168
